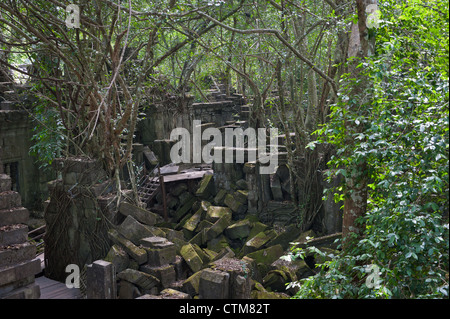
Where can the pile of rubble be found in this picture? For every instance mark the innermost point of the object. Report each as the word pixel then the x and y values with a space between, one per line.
pixel 206 250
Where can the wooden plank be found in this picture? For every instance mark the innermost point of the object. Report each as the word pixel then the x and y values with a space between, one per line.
pixel 185 176
pixel 51 289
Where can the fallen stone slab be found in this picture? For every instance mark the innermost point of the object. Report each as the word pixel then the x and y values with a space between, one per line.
pixel 258 241
pixel 239 230
pixel 267 255
pixel 214 213
pixel 118 257
pixel 191 285
pixel 139 278
pixel 138 254
pixel 214 284
pixel 167 294
pixel 134 230
pixel 142 215
pixel 191 257
pixel 206 187
pixel 166 273
pixel 218 227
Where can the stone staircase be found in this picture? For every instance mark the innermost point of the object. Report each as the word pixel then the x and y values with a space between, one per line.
pixel 18 262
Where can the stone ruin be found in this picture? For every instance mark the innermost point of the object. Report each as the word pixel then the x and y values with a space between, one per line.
pixel 204 251
pixel 18 262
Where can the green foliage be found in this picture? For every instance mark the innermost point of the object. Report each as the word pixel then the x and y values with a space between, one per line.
pixel 48 138
pixel 405 142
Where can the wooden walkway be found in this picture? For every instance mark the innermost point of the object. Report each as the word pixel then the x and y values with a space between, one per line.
pixel 52 289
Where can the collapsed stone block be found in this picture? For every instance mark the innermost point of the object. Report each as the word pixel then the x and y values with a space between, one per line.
pixel 191 285
pixel 258 241
pixel 160 251
pixel 134 230
pixel 214 284
pixel 118 257
pixel 191 257
pixel 238 230
pixel 166 273
pixel 138 254
pixel 206 187
pixel 139 278
pixel 142 215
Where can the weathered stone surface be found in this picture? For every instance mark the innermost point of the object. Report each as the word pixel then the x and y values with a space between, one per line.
pixel 162 254
pixel 239 271
pixel 191 285
pixel 18 215
pixel 206 187
pixel 174 294
pixel 153 241
pixel 127 290
pixel 238 230
pixel 241 196
pixel 220 197
pixel 142 215
pixel 275 186
pixel 191 257
pixel 13 234
pixel 118 257
pixel 138 254
pixel 214 284
pixel 218 227
pixel 166 273
pixel 258 241
pixel 267 255
pixel 184 209
pixel 167 294
pixel 218 243
pixel 5 183
pixel 192 223
pixel 261 293
pixel 236 206
pixel 298 267
pixel 178 189
pixel 101 280
pixel 19 271
pixel 134 230
pixel 214 213
pixel 139 278
pixel 287 236
pixel 10 199
pixel 256 229
pixel 15 254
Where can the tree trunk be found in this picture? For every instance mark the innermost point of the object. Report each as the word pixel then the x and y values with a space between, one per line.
pixel 355 203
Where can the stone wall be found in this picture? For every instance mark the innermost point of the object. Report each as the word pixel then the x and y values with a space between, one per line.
pixel 16 130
